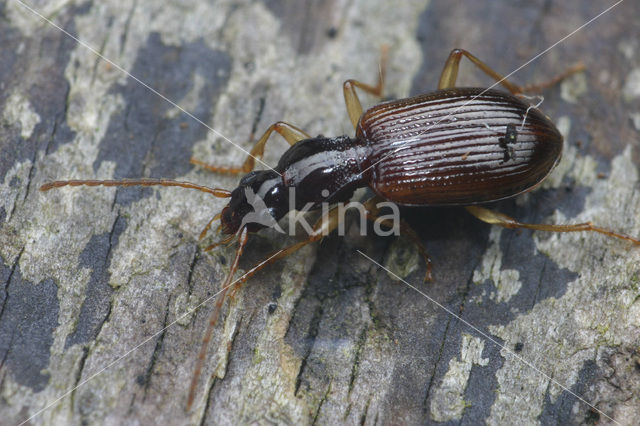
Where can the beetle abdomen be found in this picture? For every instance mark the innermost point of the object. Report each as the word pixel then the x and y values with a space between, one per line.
pixel 457 146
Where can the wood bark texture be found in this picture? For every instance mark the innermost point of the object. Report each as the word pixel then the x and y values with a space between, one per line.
pixel 96 284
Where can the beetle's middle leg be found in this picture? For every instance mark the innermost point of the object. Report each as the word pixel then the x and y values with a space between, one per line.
pixel 450 74
pixel 354 107
pixel 496 218
pixel 373 213
pixel 289 132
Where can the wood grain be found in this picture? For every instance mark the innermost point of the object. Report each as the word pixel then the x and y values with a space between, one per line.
pixel 89 274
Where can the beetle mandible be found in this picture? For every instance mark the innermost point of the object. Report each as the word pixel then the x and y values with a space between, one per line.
pixel 455 146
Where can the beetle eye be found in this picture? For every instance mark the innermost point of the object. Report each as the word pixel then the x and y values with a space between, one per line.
pixel 248 178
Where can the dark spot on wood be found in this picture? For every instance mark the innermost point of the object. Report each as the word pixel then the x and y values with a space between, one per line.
pixel 592 417
pixel 97 299
pixel 561 411
pixel 46 89
pixel 28 317
pixel 277 292
pixel 305 21
pixel 141 137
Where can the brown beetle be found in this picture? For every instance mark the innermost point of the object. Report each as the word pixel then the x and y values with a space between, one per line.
pixel 454 146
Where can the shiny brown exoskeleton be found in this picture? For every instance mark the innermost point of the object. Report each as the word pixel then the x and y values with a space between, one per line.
pixel 455 146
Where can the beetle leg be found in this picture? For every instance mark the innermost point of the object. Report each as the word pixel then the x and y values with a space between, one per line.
pixel 354 107
pixel 325 225
pixel 373 213
pixel 555 80
pixel 450 74
pixel 243 237
pixel 289 132
pixel 497 218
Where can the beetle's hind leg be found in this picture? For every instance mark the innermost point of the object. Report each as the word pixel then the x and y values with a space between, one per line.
pixel 496 218
pixel 289 132
pixel 450 74
pixel 354 107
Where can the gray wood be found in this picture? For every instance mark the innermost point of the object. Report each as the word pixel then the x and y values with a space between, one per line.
pixel 325 336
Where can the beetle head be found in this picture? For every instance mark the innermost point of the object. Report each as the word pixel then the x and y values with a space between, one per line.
pixel 259 201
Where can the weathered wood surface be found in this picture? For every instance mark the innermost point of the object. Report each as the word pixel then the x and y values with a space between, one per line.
pixel 87 275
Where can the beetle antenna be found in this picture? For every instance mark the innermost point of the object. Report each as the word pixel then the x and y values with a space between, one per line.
pixel 216 192
pixel 242 235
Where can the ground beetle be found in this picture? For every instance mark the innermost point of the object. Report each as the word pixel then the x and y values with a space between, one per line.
pixel 454 146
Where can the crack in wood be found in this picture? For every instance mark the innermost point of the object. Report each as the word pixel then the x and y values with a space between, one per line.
pixel 78 375
pixel 321 403
pixel 156 350
pixel 127 26
pixel 192 266
pixel 314 326
pixel 8 282
pixel 208 401
pixel 356 362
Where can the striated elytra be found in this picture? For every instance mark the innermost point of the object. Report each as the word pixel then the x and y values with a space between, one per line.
pixel 441 148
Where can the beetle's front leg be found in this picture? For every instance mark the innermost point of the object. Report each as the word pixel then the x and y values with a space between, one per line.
pixel 243 237
pixel 496 218
pixel 289 132
pixel 450 74
pixel 324 226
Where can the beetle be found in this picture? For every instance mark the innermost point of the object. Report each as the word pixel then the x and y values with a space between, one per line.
pixel 454 146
